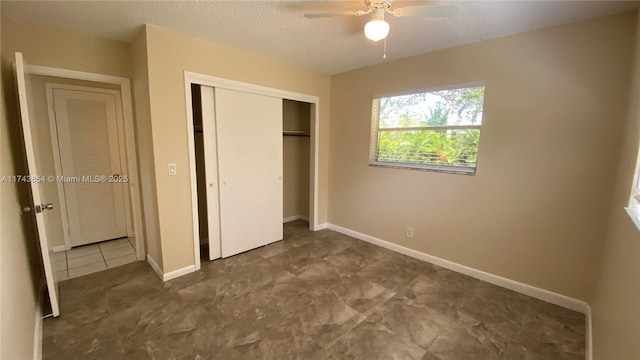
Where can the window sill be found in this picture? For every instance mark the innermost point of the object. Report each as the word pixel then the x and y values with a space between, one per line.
pixel 634 214
pixel 419 167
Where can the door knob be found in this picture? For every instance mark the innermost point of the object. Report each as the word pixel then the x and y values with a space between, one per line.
pixel 38 208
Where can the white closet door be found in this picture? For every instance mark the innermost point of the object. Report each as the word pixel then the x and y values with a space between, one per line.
pixel 250 169
pixel 89 147
pixel 210 140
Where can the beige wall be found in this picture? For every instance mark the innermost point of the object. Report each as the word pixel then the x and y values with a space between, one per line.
pixel 536 210
pixel 296 115
pixel 144 142
pixel 20 278
pixel 295 176
pixel 67 49
pixel 169 55
pixel 616 303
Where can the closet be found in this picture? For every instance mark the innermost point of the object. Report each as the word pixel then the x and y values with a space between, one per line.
pixel 296 143
pixel 239 146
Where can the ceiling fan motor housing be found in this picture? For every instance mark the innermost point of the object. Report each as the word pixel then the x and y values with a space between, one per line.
pixel 378 4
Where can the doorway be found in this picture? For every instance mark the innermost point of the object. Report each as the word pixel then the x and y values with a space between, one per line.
pixel 229 87
pixel 123 86
pixel 242 151
pixel 295 150
pixel 40 206
pixel 87 138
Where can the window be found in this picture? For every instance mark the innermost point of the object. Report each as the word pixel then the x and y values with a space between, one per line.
pixel 436 130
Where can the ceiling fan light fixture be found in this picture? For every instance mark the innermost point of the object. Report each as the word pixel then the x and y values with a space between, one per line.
pixel 376 30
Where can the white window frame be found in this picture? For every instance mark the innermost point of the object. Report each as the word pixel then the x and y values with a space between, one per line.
pixel 375 129
pixel 633 208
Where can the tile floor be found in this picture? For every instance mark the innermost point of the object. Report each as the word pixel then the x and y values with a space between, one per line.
pixel 319 295
pixel 92 258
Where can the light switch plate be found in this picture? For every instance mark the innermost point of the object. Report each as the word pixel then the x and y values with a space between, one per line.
pixel 172 169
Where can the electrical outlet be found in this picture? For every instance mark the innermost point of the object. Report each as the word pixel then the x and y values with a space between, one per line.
pixel 409 232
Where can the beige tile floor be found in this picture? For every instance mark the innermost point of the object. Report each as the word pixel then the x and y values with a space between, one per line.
pixel 88 259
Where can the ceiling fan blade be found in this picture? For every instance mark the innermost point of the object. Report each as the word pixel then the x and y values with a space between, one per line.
pixel 336 13
pixel 427 10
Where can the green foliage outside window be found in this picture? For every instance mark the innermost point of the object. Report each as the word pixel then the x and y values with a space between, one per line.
pixel 439 147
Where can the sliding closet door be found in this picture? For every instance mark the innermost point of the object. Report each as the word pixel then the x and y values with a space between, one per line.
pixel 210 147
pixel 250 169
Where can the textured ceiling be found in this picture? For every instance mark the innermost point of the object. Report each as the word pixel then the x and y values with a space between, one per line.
pixel 328 45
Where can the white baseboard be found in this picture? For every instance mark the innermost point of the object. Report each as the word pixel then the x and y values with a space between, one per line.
pixel 155 266
pixel 538 293
pixel 60 248
pixel 37 334
pixel 172 274
pixel 322 227
pixel 294 218
pixel 177 273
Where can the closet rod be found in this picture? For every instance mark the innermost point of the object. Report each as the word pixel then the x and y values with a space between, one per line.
pixel 295 133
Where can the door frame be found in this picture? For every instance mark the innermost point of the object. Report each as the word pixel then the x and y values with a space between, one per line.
pixel 57 159
pixel 216 82
pixel 129 134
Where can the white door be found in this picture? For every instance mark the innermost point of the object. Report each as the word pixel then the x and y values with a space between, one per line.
pixel 249 134
pixel 38 208
pixel 87 127
pixel 211 170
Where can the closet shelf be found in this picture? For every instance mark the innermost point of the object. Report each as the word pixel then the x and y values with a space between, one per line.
pixel 295 133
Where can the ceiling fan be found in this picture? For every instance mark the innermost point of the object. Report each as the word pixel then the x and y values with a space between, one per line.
pixel 377 29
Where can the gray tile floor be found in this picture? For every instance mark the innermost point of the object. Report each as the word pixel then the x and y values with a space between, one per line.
pixel 318 295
